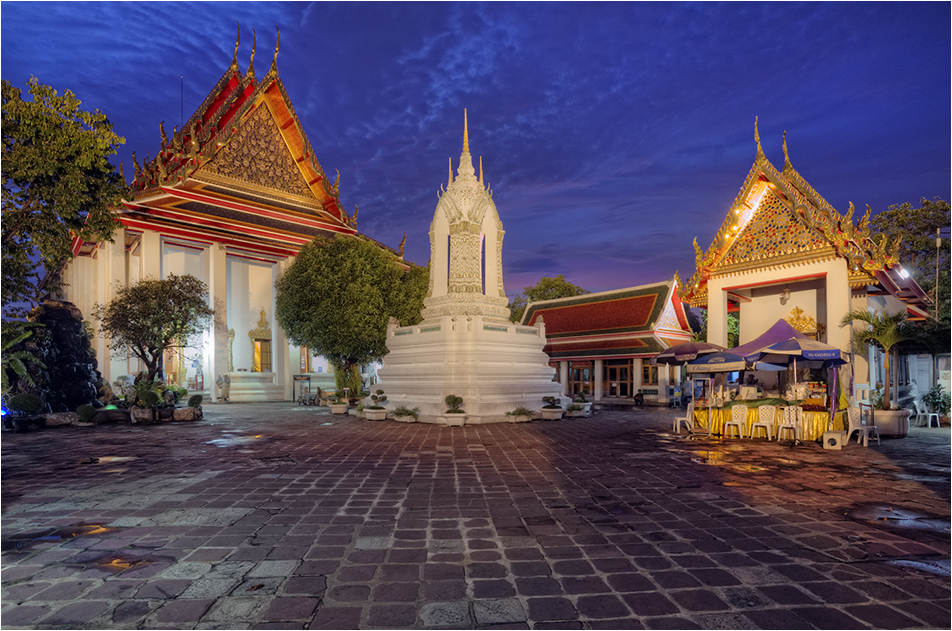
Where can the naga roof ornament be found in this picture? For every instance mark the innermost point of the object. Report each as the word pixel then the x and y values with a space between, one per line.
pixel 778 220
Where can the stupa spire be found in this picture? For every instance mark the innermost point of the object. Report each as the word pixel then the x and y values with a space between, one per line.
pixel 465 133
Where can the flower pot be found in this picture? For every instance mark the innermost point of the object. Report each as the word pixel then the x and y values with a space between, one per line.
pixel 453 420
pixel 552 414
pixel 575 413
pixel 894 423
pixel 338 408
pixel 405 419
pixel 375 415
pixel 518 418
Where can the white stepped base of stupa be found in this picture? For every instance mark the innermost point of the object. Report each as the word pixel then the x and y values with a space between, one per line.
pixel 494 366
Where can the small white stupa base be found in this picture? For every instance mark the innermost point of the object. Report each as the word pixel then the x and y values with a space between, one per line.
pixel 494 366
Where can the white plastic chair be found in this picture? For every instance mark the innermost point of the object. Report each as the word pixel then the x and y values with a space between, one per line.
pixel 924 419
pixel 738 421
pixel 857 424
pixel 687 420
pixel 792 415
pixel 766 421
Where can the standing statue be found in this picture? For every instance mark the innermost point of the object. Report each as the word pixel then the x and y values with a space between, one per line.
pixel 224 387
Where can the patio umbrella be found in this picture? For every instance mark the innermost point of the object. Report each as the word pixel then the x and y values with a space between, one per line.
pixel 683 353
pixel 722 361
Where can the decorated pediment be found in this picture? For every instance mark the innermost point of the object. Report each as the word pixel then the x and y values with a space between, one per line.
pixel 806 324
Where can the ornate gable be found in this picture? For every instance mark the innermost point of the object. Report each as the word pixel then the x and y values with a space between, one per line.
pixel 257 155
pixel 778 219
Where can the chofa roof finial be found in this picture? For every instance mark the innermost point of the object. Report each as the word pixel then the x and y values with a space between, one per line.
pixel 786 156
pixel 760 150
pixel 234 59
pixel 254 46
pixel 277 47
pixel 465 133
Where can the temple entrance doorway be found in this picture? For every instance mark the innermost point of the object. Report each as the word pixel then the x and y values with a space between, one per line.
pixel 618 379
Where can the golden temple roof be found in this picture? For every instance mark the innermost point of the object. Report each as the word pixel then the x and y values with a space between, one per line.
pixel 779 220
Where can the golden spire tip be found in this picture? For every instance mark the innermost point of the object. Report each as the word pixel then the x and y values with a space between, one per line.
pixel 465 133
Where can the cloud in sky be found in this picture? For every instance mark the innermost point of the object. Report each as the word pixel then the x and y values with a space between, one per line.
pixel 612 134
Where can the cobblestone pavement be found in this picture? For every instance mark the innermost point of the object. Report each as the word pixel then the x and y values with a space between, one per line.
pixel 284 517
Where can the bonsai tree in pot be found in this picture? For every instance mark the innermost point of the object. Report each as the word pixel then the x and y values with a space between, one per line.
pixel 575 410
pixel 884 331
pixel 376 412
pixel 338 403
pixel 455 416
pixel 552 410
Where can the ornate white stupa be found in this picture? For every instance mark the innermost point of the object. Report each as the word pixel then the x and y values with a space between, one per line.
pixel 466 344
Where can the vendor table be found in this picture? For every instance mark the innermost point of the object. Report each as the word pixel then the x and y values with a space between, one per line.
pixel 814 423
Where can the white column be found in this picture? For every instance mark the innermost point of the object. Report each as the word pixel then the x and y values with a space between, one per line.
pixel 838 299
pixel 716 314
pixel 280 344
pixel 597 377
pixel 150 255
pixel 564 376
pixel 217 363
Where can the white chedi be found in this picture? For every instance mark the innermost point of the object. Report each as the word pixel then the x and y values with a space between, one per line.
pixel 465 344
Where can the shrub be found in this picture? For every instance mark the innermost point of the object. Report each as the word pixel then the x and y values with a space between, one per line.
pixel 26 404
pixel 86 413
pixel 454 402
pixel 402 410
pixel 195 401
pixel 551 403
pixel 148 399
pixel 521 411
pixel 575 407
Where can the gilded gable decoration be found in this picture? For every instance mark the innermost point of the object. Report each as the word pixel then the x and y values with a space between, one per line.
pixel 805 324
pixel 263 330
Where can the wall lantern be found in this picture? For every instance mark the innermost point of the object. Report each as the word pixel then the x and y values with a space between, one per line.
pixel 785 296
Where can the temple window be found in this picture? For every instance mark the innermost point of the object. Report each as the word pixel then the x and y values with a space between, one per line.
pixel 649 374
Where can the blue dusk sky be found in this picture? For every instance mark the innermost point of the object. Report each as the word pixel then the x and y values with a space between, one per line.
pixel 611 134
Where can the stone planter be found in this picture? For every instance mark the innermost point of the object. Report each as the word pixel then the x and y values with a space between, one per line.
pixel 552 414
pixel 187 414
pixel 405 419
pixel 111 416
pixel 575 413
pixel 453 420
pixel 338 408
pixel 17 423
pixel 518 418
pixel 375 415
pixel 142 415
pixel 894 423
pixel 165 414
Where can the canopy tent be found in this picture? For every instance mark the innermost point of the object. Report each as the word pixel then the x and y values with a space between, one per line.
pixel 683 353
pixel 779 332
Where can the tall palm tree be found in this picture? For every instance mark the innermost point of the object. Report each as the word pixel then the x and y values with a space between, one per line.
pixel 883 330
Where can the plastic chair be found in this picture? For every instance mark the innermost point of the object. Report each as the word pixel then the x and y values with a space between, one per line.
pixel 687 420
pixel 738 421
pixel 857 424
pixel 765 421
pixel 792 415
pixel 924 419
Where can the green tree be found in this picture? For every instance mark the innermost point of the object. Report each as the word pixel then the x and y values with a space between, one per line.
pixel 883 330
pixel 546 289
pixel 337 298
pixel 154 316
pixel 57 183
pixel 733 329
pixel 18 356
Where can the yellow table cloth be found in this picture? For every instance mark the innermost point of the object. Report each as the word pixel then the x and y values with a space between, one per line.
pixel 814 423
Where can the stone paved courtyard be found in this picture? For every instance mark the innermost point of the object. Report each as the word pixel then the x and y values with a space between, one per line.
pixel 286 517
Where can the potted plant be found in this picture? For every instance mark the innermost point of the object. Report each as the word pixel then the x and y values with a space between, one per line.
pixel 582 400
pixel 552 410
pixel 455 416
pixel 338 403
pixel 406 415
pixel 376 412
pixel 885 331
pixel 939 402
pixel 575 410
pixel 521 414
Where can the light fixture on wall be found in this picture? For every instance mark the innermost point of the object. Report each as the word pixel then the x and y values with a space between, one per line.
pixel 785 295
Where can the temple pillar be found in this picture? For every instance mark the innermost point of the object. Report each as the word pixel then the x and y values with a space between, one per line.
pixel 564 376
pixel 716 314
pixel 597 375
pixel 218 292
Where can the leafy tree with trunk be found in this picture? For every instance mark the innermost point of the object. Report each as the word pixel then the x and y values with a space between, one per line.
pixel 338 296
pixel 883 330
pixel 546 289
pixel 151 317
pixel 57 184
pixel 733 329
pixel 927 260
